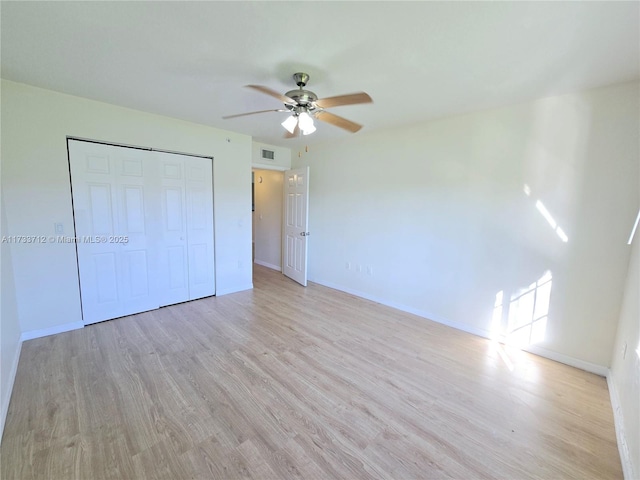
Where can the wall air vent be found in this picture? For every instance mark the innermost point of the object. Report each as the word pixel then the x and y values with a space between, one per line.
pixel 268 154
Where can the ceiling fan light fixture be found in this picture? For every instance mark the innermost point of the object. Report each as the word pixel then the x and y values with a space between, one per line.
pixel 290 123
pixel 305 122
pixel 309 130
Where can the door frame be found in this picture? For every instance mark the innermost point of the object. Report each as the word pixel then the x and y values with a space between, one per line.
pixel 282 170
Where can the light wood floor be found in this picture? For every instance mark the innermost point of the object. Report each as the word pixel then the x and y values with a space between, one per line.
pixel 250 385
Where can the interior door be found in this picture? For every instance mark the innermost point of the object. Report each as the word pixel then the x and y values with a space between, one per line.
pixel 296 224
pixel 112 201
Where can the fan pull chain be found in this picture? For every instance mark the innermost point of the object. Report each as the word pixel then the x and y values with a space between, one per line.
pixel 306 150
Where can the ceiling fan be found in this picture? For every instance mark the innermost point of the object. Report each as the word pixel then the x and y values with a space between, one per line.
pixel 305 105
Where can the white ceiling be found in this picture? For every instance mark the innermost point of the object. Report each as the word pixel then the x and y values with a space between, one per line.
pixel 418 60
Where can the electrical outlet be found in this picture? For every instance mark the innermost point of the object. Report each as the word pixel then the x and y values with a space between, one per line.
pixel 369 270
pixel 358 268
pixel 347 266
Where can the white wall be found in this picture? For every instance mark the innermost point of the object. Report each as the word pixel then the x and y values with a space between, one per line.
pixel 35 186
pixel 433 218
pixel 9 326
pixel 268 218
pixel 624 378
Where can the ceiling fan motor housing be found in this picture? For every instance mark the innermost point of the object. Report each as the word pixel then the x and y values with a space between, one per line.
pixel 302 97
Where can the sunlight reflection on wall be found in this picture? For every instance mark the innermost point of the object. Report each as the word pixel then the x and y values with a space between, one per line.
pixel 547 216
pixel 523 321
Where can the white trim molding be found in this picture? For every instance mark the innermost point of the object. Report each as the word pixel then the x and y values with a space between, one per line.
pixel 227 291
pixel 618 421
pixel 268 265
pixel 267 166
pixel 12 379
pixel 567 360
pixel 45 332
pixel 542 352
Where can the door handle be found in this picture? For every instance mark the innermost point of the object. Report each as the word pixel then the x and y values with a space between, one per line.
pixel 305 234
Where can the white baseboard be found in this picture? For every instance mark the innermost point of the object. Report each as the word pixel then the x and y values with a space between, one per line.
pixel 31 334
pixel 542 352
pixel 12 379
pixel 567 360
pixel 268 265
pixel 415 311
pixel 226 291
pixel 618 420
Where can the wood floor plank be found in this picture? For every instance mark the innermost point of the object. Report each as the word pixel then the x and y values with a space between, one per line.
pixel 289 382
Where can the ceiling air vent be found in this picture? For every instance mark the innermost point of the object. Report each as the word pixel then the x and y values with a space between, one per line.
pixel 268 154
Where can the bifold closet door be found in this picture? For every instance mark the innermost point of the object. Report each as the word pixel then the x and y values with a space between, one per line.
pixel 186 247
pixel 144 222
pixel 113 199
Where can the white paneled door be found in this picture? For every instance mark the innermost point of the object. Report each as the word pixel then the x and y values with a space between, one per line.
pixel 139 242
pixel 112 200
pixel 186 253
pixel 198 181
pixel 296 201
pixel 172 251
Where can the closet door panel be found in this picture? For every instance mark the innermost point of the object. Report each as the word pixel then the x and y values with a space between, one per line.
pixel 199 192
pixel 172 236
pixel 111 200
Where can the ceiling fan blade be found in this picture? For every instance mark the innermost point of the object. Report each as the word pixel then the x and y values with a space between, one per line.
pixel 272 93
pixel 350 99
pixel 338 121
pixel 253 113
pixel 296 132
